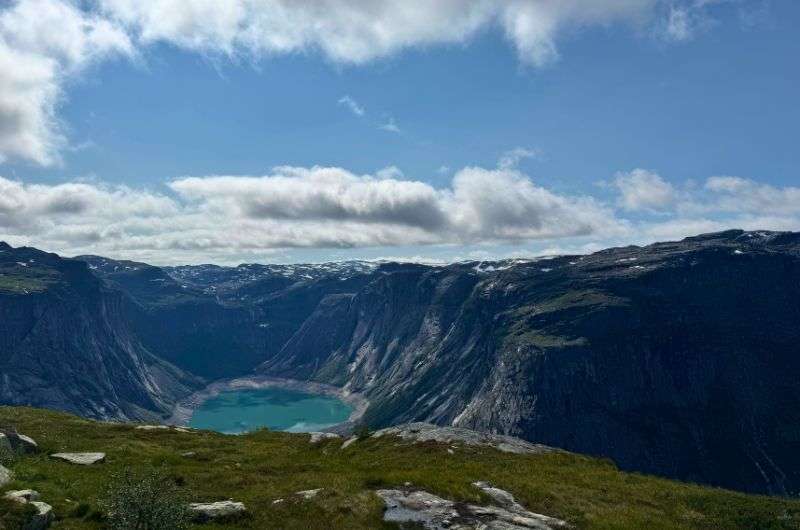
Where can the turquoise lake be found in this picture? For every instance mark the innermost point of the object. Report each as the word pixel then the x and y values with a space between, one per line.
pixel 239 411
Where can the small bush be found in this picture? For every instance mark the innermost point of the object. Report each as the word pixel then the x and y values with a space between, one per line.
pixel 147 500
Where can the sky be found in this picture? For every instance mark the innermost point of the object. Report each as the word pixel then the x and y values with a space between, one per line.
pixel 195 131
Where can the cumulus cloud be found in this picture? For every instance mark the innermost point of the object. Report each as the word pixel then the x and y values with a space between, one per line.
pixel 641 189
pixel 317 207
pixel 37 60
pixel 43 42
pixel 228 218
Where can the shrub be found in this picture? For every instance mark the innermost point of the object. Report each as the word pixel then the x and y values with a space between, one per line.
pixel 148 500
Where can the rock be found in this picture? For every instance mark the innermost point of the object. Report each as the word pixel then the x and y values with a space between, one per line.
pixel 44 512
pixel 426 432
pixel 16 442
pixel 206 511
pixel 350 441
pixel 6 476
pixel 189 454
pixel 436 513
pixel 317 437
pixel 22 496
pixel 152 427
pixel 83 459
pixel 277 501
pixel 309 494
pixel 44 516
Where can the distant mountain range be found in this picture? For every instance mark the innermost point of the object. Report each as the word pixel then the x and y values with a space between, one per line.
pixel 680 359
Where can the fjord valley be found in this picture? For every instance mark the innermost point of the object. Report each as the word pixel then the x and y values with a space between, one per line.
pixel 676 359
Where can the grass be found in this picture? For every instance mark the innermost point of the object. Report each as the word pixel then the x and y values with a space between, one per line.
pixel 264 466
pixel 15 278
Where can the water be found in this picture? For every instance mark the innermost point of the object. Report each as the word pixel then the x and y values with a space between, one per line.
pixel 239 411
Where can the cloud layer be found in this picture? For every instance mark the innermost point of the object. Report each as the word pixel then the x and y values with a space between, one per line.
pixel 37 60
pixel 227 218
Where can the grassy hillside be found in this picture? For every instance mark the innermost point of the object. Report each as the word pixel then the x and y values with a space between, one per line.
pixel 261 467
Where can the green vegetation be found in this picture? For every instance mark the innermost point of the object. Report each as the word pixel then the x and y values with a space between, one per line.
pixel 264 466
pixel 16 278
pixel 143 500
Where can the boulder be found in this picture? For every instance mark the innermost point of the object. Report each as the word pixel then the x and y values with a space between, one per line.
pixel 44 512
pixel 426 432
pixel 206 511
pixel 16 442
pixel 350 441
pixel 6 476
pixel 22 496
pixel 43 517
pixel 82 459
pixel 317 437
pixel 435 513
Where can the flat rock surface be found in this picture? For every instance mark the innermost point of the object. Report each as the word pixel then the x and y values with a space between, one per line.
pixel 426 432
pixel 204 511
pixel 317 437
pixel 83 459
pixel 309 494
pixel 435 513
pixel 22 495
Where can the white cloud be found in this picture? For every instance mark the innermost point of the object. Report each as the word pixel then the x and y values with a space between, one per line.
pixel 497 211
pixel 644 190
pixel 510 159
pixel 390 126
pixel 44 43
pixel 736 194
pixel 224 216
pixel 352 105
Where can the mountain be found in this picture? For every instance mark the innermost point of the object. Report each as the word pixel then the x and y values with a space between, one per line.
pixel 66 343
pixel 678 359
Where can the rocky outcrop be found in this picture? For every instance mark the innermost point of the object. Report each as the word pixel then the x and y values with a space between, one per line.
pixel 43 515
pixel 435 513
pixel 67 343
pixel 208 511
pixel 15 442
pixel 678 359
pixel 81 459
pixel 426 432
pixel 317 437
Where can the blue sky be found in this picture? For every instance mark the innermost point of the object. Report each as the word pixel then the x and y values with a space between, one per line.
pixel 655 120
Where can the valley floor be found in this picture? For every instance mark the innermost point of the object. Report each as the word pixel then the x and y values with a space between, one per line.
pixel 261 467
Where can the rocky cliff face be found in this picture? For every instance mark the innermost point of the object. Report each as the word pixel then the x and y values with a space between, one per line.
pixel 679 359
pixel 66 343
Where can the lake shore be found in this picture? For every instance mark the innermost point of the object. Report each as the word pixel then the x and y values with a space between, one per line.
pixel 184 409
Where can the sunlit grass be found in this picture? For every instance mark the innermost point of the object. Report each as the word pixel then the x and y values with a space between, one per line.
pixel 264 466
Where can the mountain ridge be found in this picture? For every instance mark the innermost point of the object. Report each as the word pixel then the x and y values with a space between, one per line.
pixel 676 358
